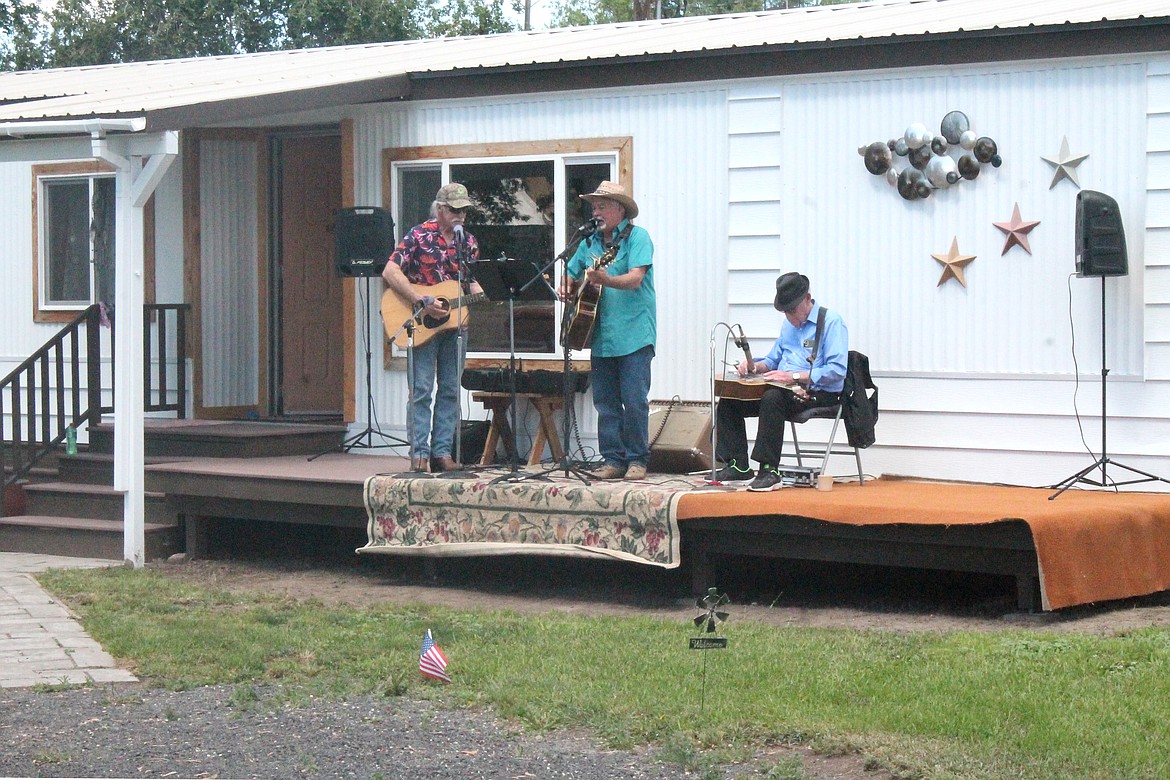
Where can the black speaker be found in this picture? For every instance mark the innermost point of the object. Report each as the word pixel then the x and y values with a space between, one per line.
pixel 1100 236
pixel 365 239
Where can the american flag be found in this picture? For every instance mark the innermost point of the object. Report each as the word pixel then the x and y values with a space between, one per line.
pixel 431 661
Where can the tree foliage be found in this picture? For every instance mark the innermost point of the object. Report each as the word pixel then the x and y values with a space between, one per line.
pixel 566 13
pixel 20 25
pixel 90 32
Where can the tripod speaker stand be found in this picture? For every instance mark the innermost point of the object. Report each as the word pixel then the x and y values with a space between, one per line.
pixel 365 239
pixel 1100 251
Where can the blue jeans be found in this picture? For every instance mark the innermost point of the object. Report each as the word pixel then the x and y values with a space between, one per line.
pixel 434 436
pixel 621 394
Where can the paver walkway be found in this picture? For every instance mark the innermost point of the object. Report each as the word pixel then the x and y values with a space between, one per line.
pixel 41 641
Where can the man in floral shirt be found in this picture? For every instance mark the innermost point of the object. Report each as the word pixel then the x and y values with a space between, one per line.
pixel 427 255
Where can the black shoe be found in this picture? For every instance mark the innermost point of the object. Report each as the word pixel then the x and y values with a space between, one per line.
pixel 729 474
pixel 765 481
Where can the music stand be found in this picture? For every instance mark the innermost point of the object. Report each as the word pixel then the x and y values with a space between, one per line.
pixel 510 279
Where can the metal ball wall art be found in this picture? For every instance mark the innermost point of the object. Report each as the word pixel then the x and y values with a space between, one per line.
pixel 935 162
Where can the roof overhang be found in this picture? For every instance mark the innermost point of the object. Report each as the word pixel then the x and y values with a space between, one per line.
pixel 1140 36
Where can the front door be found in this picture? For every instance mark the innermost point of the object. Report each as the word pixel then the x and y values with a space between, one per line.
pixel 307 326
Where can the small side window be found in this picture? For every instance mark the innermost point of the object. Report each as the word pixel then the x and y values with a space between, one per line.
pixel 74 238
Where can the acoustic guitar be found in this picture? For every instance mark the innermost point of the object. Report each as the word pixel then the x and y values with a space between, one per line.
pixel 396 311
pixel 581 310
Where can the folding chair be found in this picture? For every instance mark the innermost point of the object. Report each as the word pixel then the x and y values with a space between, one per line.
pixel 831 447
pixel 861 392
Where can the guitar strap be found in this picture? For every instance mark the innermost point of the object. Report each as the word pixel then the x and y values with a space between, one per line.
pixel 620 237
pixel 817 338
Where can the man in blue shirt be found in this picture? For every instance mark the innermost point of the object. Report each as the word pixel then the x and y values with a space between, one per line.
pixel 811 355
pixel 626 329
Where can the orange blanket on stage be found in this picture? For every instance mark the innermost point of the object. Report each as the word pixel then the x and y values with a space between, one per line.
pixel 1091 545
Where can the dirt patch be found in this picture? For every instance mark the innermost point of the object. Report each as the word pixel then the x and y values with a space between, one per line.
pixel 321 564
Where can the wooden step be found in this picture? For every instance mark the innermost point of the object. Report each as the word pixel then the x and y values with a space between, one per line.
pixel 80 537
pixel 94 468
pixel 101 502
pixel 226 438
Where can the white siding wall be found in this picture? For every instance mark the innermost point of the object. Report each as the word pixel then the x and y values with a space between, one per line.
pixel 21 336
pixel 679 182
pixel 231 334
pixel 977 382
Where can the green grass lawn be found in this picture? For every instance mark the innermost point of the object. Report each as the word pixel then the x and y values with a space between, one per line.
pixel 1010 704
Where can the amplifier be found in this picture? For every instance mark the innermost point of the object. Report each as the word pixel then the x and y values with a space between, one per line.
pixel 680 436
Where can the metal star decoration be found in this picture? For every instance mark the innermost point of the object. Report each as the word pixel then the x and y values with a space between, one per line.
pixel 953 264
pixel 1017 232
pixel 1065 164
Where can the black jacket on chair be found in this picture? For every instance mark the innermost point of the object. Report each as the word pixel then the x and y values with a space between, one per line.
pixel 860 406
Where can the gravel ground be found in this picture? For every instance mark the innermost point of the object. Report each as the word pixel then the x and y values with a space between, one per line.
pixel 133 731
pixel 201 733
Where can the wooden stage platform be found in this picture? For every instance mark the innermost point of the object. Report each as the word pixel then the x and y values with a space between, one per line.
pixel 945 527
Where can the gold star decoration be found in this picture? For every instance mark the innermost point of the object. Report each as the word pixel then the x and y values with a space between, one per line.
pixel 1017 232
pixel 1065 165
pixel 953 264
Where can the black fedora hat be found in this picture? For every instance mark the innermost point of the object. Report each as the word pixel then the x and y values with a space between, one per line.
pixel 790 290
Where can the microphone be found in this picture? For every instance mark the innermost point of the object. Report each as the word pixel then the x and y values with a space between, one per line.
pixel 590 226
pixel 742 342
pixel 458 229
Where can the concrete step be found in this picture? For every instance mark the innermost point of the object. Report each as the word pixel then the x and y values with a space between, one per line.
pixel 80 537
pixel 100 502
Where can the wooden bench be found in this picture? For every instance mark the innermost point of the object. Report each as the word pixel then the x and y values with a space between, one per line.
pixel 546 433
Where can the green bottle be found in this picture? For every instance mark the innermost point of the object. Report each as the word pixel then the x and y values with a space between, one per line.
pixel 70 440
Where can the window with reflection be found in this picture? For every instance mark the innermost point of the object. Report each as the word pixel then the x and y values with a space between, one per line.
pixel 525 211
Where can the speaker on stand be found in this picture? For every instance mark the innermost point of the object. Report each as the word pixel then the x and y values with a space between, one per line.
pixel 365 240
pixel 1100 252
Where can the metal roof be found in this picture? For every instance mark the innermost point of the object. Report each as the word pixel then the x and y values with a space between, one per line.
pixel 268 82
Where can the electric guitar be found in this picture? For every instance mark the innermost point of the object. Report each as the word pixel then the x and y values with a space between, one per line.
pixel 581 309
pixel 396 311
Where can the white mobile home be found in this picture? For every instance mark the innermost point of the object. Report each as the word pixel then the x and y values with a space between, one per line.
pixel 739 137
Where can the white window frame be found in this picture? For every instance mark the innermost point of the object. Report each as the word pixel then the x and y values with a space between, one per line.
pixel 44 309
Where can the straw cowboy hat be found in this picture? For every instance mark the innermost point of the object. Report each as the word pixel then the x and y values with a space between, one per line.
pixel 615 192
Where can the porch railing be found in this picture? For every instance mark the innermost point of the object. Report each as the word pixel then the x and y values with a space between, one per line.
pixel 60 386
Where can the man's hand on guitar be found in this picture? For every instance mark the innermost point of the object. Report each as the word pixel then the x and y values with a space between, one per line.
pixel 430 306
pixel 597 276
pixel 568 284
pixel 746 368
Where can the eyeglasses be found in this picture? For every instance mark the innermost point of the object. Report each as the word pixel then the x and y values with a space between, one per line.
pixel 454 210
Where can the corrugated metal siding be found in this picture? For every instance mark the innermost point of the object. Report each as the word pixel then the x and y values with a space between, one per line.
pixel 869 252
pixel 230 328
pixel 679 183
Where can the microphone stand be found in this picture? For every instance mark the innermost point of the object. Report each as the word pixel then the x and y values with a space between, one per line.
pixel 566 463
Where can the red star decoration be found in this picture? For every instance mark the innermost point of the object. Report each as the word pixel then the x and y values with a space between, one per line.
pixel 953 264
pixel 1017 232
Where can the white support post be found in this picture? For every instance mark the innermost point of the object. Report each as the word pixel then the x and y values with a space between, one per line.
pixel 135 183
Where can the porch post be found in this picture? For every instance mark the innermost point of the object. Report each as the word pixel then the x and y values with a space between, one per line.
pixel 135 183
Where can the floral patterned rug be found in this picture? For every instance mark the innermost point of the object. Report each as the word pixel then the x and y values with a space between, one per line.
pixel 633 521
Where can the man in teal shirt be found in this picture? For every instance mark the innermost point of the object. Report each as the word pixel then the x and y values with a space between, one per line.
pixel 625 332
